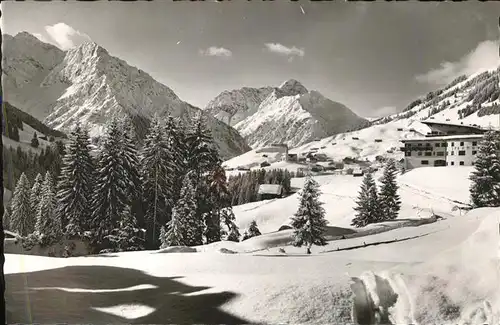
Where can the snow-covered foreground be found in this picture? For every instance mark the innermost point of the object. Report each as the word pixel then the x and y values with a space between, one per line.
pixel 423 191
pixel 448 272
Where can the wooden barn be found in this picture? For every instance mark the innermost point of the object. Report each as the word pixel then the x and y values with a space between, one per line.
pixel 270 191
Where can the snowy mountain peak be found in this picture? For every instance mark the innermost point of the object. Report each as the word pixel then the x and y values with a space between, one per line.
pixel 88 85
pixel 26 36
pixel 291 87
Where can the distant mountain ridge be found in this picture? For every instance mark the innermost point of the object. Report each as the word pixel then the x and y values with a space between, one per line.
pixel 288 114
pixel 89 85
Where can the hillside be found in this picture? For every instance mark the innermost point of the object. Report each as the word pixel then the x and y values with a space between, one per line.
pixel 89 85
pixel 291 114
pixel 443 272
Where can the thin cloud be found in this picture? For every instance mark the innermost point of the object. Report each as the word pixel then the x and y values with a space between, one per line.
pixel 217 51
pixel 482 58
pixel 281 49
pixel 65 36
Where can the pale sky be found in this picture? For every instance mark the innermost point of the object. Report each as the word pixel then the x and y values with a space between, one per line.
pixel 373 57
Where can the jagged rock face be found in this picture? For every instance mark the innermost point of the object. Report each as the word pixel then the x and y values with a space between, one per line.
pixel 234 106
pixel 87 84
pixel 293 115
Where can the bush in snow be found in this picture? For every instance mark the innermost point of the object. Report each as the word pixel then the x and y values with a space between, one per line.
pixel 389 200
pixel 367 206
pixel 309 221
pixel 485 187
pixel 253 230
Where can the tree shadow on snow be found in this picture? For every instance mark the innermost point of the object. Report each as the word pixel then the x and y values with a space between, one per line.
pixel 26 303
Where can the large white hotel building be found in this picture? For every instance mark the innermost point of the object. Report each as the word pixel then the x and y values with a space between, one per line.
pixel 446 145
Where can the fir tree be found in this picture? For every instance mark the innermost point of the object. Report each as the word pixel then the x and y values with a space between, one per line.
pixel 36 193
pixel 185 209
pixel 163 232
pixel 253 230
pixel 245 236
pixel 48 225
pixel 229 229
pixel 485 187
pixel 367 206
pixel 176 137
pixel 75 187
pixel 130 162
pixel 7 218
pixel 127 236
pixel 173 236
pixel 34 141
pixel 389 200
pixel 234 233
pixel 219 197
pixel 111 198
pixel 309 221
pixel 22 218
pixel 157 175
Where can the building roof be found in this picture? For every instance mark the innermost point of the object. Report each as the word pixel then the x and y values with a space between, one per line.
pixel 270 189
pixel 475 128
pixel 445 137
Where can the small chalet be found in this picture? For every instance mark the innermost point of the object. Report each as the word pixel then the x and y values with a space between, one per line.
pixel 270 191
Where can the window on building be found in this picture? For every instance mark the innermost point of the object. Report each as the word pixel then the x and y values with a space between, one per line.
pixel 453 144
pixel 444 144
pixel 408 153
pixel 419 153
pixel 461 163
pixel 419 144
pixel 474 152
pixel 425 162
pixel 440 153
pixel 461 153
pixel 452 163
pixel 428 153
pixel 474 143
pixel 437 144
pixel 461 144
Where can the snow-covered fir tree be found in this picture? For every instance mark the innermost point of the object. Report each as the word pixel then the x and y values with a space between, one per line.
pixel 174 235
pixel 485 187
pixel 157 176
pixel 367 206
pixel 245 236
pixel 229 229
pixel 185 209
pixel 219 199
pixel 7 214
pixel 112 193
pixel 36 194
pixel 234 233
pixel 253 230
pixel 309 221
pixel 48 226
pixel 22 218
pixel 175 135
pixel 390 202
pixel 75 186
pixel 131 163
pixel 127 236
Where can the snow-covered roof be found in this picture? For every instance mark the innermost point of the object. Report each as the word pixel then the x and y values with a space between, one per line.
pixel 270 189
pixel 445 137
pixel 453 124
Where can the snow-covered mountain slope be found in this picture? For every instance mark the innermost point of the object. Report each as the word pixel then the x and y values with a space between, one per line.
pixel 293 115
pixel 467 100
pixel 89 85
pixel 234 106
